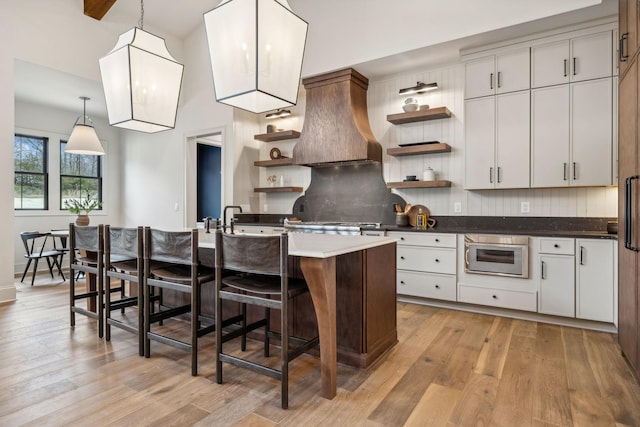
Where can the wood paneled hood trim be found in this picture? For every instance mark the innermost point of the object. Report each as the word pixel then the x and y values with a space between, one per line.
pixel 336 123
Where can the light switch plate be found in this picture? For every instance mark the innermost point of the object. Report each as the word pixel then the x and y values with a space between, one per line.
pixel 524 207
pixel 457 207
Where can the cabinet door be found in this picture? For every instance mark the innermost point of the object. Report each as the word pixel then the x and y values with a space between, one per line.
pixel 512 140
pixel 550 64
pixel 557 285
pixel 550 136
pixel 480 119
pixel 627 259
pixel 591 57
pixel 512 71
pixel 594 281
pixel 480 77
pixel 591 133
pixel 628 32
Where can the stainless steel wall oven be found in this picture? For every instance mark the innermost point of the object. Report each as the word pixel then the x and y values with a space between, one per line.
pixel 497 255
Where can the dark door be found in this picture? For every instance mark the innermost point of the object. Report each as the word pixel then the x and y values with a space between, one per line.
pixel 209 181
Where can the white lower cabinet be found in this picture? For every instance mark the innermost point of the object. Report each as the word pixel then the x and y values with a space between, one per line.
pixel 595 279
pixel 556 284
pixel 426 265
pixel 515 300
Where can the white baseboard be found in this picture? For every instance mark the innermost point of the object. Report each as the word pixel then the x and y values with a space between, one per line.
pixel 7 294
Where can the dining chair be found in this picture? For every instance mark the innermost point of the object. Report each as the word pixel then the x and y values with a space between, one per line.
pixel 60 237
pixel 124 262
pixel 171 263
pixel 261 278
pixel 35 246
pixel 86 247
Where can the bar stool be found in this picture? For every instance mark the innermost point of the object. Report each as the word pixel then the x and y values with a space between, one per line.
pixel 124 260
pixel 86 246
pixel 171 262
pixel 262 279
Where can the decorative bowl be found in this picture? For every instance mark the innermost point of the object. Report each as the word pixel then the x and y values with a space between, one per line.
pixel 410 107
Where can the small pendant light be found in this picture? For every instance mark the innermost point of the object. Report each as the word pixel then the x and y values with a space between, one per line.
pixel 83 139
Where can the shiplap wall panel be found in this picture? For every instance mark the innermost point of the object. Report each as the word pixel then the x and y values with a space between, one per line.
pixel 383 99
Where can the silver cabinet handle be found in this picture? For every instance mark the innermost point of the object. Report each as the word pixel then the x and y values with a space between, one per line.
pixel 574 171
pixel 574 65
pixel 581 255
pixel 491 175
pixel 499 174
pixel 542 270
pixel 565 67
pixel 564 166
pixel 491 81
pixel 499 72
pixel 621 48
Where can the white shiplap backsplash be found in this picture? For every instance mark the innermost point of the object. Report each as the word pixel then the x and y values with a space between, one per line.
pixel 383 99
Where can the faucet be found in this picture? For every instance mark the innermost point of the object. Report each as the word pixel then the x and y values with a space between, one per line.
pixel 224 215
pixel 207 223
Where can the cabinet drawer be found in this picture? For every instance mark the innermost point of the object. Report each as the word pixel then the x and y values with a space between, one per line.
pixel 432 260
pixel 426 239
pixel 427 285
pixel 516 300
pixel 559 246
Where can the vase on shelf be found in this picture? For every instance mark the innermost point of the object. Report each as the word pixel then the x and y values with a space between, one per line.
pixel 82 220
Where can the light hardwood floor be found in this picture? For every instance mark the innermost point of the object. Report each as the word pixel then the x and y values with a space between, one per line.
pixel 449 368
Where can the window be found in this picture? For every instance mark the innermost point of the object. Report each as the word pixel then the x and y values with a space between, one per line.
pixel 30 189
pixel 80 174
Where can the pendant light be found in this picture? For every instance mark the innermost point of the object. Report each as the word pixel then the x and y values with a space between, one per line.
pixel 256 49
pixel 141 81
pixel 83 139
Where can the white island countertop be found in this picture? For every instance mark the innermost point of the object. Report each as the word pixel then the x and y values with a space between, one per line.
pixel 322 245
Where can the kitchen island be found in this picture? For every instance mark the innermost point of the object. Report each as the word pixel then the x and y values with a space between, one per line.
pixel 352 283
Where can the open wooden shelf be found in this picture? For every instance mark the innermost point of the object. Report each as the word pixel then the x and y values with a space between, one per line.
pixel 419 149
pixel 278 190
pixel 277 136
pixel 419 184
pixel 283 161
pixel 419 116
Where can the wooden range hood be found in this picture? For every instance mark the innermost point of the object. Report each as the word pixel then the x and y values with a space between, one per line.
pixel 336 127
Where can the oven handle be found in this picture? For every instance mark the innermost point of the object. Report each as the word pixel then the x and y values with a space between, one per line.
pixel 466 257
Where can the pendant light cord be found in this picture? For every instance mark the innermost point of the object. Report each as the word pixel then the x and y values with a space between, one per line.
pixel 141 21
pixel 84 111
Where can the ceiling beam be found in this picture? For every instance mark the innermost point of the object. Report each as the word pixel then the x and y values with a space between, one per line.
pixel 97 8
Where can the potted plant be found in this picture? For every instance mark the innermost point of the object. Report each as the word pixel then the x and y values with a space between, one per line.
pixel 82 207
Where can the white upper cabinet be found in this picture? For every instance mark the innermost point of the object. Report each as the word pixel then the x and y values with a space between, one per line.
pixel 495 74
pixel 550 136
pixel 571 134
pixel 497 141
pixel 591 133
pixel 550 64
pixel 591 57
pixel 578 59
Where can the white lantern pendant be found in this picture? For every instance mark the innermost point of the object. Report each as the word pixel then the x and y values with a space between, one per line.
pixel 141 82
pixel 256 49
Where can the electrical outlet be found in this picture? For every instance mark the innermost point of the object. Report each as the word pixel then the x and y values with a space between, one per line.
pixel 176 207
pixel 524 207
pixel 457 207
pixel 265 208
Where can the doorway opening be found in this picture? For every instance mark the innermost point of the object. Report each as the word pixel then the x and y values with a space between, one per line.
pixel 208 181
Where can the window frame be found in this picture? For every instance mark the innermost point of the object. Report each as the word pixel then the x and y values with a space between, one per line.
pixel 99 177
pixel 45 173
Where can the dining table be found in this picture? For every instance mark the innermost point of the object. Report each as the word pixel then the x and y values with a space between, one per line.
pixel 317 253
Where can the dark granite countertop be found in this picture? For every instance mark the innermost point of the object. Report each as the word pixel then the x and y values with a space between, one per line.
pixel 583 227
